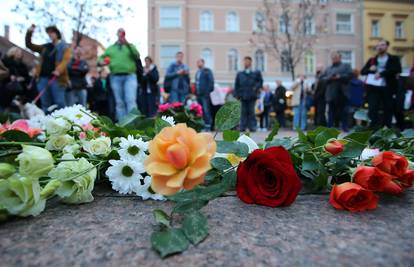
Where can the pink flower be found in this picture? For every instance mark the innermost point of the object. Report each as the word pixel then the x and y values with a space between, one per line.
pixel 197 108
pixel 20 125
pixel 164 107
pixel 176 105
pixel 89 127
pixel 82 135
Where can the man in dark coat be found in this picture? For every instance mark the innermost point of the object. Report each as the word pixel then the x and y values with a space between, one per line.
pixel 204 84
pixel 337 78
pixel 77 68
pixel 384 68
pixel 247 87
pixel 319 97
pixel 150 92
pixel 280 104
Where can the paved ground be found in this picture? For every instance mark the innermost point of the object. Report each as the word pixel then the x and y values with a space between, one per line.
pixel 114 231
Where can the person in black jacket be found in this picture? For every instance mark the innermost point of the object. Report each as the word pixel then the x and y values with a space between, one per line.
pixel 149 90
pixel 77 69
pixel 247 87
pixel 384 68
pixel 204 85
pixel 319 97
pixel 279 103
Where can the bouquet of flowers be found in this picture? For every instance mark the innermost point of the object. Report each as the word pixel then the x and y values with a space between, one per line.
pixel 63 156
pixel 192 114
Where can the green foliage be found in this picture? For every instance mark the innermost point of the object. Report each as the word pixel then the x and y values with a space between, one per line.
pixel 161 217
pixel 220 164
pixel 228 116
pixel 195 227
pixel 16 136
pixel 237 148
pixel 169 241
pixel 230 135
pixel 160 124
pixel 273 133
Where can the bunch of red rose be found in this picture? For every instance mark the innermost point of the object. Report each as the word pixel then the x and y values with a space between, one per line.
pixel 389 173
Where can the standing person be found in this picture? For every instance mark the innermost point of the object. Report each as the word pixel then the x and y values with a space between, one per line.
pixel 300 113
pixel 52 70
pixel 319 98
pixel 337 78
pixel 280 103
pixel 101 97
pixel 382 84
pixel 247 86
pixel 266 98
pixel 150 91
pixel 18 79
pixel 204 84
pixel 356 90
pixel 121 58
pixel 177 79
pixel 77 68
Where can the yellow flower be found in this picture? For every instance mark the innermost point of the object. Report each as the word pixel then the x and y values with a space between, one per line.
pixel 179 159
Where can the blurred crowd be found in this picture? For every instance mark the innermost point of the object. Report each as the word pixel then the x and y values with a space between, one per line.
pixel 335 97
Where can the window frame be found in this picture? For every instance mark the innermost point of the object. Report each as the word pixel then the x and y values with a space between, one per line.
pixel 162 25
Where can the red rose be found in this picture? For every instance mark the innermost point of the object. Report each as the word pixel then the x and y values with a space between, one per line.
pixel 267 177
pixel 406 181
pixel 334 147
pixel 391 162
pixel 372 178
pixel 352 197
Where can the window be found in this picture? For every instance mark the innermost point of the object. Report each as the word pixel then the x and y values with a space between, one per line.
pixel 259 59
pixel 375 28
pixel 259 22
pixel 206 21
pixel 207 55
pixel 232 22
pixel 284 23
pixel 284 61
pixel 344 23
pixel 347 57
pixel 309 26
pixel 167 55
pixel 170 17
pixel 233 60
pixel 309 62
pixel 399 30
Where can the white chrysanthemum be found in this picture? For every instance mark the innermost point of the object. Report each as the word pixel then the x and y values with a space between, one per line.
pixel 132 149
pixel 38 121
pixel 125 176
pixel 142 191
pixel 75 114
pixel 168 119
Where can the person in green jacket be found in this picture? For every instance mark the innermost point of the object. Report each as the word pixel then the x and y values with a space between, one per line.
pixel 121 58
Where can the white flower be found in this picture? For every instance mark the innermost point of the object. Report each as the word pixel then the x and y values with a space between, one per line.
pixel 71 149
pixel 234 159
pixel 368 153
pixel 75 114
pixel 99 146
pixel 132 149
pixel 168 119
pixel 142 191
pixel 125 176
pixel 59 142
pixel 57 126
pixel 38 121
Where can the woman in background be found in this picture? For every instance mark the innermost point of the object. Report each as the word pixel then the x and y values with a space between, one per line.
pixel 150 91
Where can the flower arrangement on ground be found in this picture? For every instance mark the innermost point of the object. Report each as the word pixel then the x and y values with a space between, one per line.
pixel 65 154
pixel 192 114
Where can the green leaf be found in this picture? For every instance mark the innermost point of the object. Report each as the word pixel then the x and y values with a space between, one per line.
pixel 160 124
pixel 230 135
pixel 273 133
pixel 408 133
pixel 130 119
pixel 17 136
pixel 359 137
pixel 189 206
pixel 220 164
pixel 161 217
pixel 309 162
pixel 237 148
pixel 169 241
pixel 229 180
pixel 286 142
pixel 184 196
pixel 195 227
pixel 323 137
pixel 212 175
pixel 213 191
pixel 228 116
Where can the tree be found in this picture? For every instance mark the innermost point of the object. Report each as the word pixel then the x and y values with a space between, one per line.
pixel 84 17
pixel 286 30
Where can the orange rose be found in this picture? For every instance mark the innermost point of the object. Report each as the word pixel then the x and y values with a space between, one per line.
pixel 179 158
pixel 352 197
pixel 334 147
pixel 391 162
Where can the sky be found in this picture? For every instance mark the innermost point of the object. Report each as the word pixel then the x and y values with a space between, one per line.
pixel 136 26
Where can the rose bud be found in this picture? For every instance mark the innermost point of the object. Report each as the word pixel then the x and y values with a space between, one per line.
pixel 352 197
pixel 267 177
pixel 334 147
pixel 391 163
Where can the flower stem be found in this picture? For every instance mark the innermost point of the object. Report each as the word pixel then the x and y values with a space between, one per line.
pixel 21 143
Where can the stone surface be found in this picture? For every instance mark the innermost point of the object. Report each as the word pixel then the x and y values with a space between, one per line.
pixel 114 231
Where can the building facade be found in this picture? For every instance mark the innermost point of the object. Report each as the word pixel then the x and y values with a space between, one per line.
pixel 392 20
pixel 219 32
